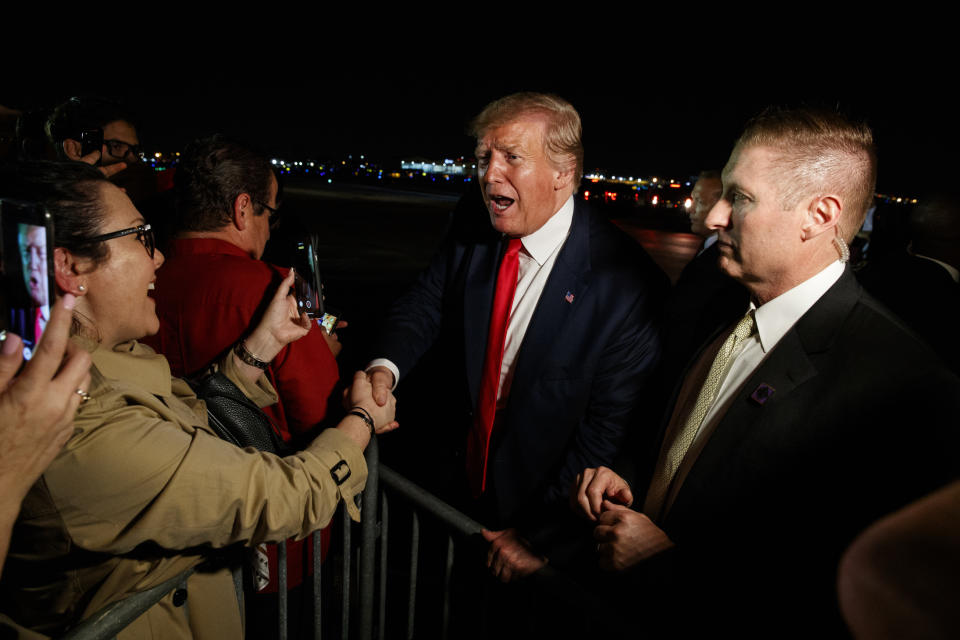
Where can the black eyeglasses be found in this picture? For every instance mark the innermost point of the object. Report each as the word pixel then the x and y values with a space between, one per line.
pixel 120 149
pixel 144 235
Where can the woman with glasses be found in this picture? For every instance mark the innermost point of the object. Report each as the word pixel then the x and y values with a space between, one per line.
pixel 144 489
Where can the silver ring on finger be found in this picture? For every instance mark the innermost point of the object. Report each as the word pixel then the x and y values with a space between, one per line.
pixel 83 395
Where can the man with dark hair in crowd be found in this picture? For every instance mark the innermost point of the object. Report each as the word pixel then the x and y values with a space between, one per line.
pixel 212 284
pixel 706 192
pixel 921 284
pixel 68 122
pixel 801 422
pixel 548 320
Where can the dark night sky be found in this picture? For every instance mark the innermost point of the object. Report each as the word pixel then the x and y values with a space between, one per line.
pixel 670 117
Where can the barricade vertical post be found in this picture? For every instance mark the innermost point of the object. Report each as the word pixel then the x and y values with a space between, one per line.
pixel 236 571
pixel 115 617
pixel 384 541
pixel 368 540
pixel 414 552
pixel 447 581
pixel 345 575
pixel 317 599
pixel 282 590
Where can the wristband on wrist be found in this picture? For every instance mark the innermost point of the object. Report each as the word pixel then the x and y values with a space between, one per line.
pixel 248 358
pixel 363 414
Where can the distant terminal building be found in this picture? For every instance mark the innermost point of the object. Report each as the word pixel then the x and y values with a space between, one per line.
pixel 447 167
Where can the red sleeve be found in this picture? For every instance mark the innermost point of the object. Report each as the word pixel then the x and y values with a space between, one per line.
pixel 305 373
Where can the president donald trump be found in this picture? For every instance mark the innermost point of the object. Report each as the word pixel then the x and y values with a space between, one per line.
pixel 545 316
pixel 801 421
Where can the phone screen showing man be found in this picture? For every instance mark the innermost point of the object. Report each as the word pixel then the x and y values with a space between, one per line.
pixel 27 267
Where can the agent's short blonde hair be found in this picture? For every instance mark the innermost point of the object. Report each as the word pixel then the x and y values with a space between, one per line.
pixel 818 152
pixel 561 143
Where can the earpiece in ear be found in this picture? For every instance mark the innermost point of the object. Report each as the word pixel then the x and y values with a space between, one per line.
pixel 842 248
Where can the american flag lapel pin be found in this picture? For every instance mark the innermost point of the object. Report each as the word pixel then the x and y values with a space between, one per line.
pixel 568 297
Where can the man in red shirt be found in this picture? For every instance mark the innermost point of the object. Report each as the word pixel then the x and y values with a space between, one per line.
pixel 210 291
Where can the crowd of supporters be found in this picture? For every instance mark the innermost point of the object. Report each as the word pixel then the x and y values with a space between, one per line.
pixel 112 479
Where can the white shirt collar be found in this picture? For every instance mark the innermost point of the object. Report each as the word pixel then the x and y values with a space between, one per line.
pixel 544 241
pixel 776 317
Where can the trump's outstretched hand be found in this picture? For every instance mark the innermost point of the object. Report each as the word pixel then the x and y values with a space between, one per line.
pixel 382 380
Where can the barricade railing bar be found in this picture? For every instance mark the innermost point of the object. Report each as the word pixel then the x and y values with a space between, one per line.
pixel 114 618
pixel 363 562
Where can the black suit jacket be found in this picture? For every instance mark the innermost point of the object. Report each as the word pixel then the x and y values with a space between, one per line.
pixel 581 370
pixel 923 294
pixel 862 419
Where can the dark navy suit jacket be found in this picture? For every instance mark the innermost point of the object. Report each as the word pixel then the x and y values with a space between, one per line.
pixel 582 368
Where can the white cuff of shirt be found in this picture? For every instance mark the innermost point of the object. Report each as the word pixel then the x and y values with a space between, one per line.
pixel 383 362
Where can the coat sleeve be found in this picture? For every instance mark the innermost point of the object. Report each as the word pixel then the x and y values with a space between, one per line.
pixel 148 476
pixel 413 323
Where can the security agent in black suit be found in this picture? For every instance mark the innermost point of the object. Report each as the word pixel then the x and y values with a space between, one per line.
pixel 845 418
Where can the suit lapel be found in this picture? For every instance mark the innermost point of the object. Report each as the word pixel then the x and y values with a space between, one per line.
pixel 784 369
pixel 566 286
pixel 791 363
pixel 479 288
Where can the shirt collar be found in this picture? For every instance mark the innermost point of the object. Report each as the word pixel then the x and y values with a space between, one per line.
pixel 776 317
pixel 190 246
pixel 544 241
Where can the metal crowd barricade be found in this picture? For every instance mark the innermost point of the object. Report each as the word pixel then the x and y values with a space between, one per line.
pixel 383 483
pixel 369 569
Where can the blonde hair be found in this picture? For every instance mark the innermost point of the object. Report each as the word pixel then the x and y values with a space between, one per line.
pixel 561 141
pixel 818 152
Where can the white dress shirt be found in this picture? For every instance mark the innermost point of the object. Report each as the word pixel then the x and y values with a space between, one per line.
pixel 539 252
pixel 773 320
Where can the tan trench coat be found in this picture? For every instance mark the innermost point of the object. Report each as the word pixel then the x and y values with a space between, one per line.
pixel 144 488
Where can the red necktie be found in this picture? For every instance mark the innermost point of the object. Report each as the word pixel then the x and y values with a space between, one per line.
pixel 478 442
pixel 37 327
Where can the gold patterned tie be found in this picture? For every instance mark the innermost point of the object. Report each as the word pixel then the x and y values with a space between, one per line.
pixel 671 456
